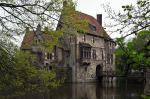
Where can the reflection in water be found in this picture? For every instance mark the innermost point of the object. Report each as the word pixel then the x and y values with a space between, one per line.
pixel 119 90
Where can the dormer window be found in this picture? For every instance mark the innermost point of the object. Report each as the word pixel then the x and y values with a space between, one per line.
pixel 92 27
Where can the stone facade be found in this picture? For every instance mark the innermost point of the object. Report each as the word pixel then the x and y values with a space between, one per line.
pixel 90 52
pixel 85 67
pixel 86 54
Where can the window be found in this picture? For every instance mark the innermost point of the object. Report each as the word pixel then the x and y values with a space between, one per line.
pixel 85 68
pixel 46 64
pixel 84 38
pixel 85 52
pixel 94 54
pixel 93 39
pixel 39 55
pixel 102 54
pixel 37 41
pixel 50 67
pixel 50 56
pixel 71 39
pixel 111 58
pixel 92 27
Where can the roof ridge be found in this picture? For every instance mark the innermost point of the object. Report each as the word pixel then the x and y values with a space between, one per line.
pixel 87 14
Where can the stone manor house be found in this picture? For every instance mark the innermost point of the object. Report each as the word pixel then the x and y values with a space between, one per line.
pixel 86 54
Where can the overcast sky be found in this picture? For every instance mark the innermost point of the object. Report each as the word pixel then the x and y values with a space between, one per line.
pixel 94 7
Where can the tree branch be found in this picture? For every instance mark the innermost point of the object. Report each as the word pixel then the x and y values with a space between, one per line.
pixel 15 6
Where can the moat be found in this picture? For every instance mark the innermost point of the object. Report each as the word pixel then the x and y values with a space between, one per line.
pixel 119 90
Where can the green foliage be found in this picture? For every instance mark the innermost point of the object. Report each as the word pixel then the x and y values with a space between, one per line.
pixel 72 20
pixel 69 24
pixel 133 53
pixel 145 97
pixel 119 52
pixel 21 76
pixel 51 40
pixel 17 73
pixel 144 33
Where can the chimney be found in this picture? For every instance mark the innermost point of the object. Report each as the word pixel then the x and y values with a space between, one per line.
pixel 99 19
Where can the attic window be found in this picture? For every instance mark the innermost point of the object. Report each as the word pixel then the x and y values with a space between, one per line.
pixel 92 27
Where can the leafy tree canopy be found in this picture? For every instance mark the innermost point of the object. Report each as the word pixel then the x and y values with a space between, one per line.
pixel 15 69
pixel 19 76
pixel 133 54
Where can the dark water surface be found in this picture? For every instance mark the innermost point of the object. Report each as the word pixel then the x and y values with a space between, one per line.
pixel 119 90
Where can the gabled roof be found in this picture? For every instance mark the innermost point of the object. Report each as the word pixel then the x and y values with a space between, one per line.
pixel 91 20
pixel 28 40
pixel 29 37
pixel 99 29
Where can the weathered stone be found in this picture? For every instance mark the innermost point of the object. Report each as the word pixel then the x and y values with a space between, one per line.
pixel 87 54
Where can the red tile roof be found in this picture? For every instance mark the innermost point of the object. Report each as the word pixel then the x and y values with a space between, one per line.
pixel 27 41
pixel 29 37
pixel 99 29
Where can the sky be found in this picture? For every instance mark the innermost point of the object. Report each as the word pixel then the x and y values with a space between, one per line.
pixel 94 7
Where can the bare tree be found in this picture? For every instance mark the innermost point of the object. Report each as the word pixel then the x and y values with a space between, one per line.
pixel 134 18
pixel 15 15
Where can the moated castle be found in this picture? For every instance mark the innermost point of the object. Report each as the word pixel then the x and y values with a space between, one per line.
pixel 85 54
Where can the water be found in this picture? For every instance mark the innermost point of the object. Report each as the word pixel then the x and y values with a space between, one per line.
pixel 119 90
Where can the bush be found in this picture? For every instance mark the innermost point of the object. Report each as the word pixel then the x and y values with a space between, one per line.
pixel 19 76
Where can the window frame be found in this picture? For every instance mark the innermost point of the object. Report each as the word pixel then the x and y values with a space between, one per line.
pixel 93 39
pixel 92 27
pixel 85 52
pixel 94 54
pixel 84 38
